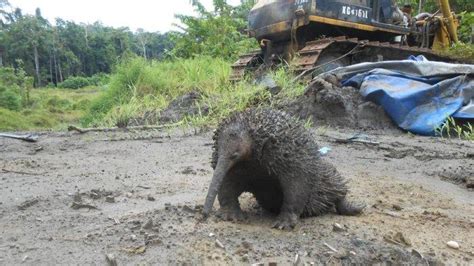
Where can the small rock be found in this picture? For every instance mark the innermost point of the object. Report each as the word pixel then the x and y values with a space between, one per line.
pixel 219 244
pixel 352 253
pixel 272 264
pixel 337 228
pixel 393 214
pixel 133 237
pixel 188 209
pixel 94 195
pixel 258 264
pixel 453 244
pixel 150 198
pixel 111 260
pixel 397 207
pixel 211 234
pixel 245 258
pixel 152 239
pixel 148 224
pixel 470 182
pixel 297 259
pixel 110 199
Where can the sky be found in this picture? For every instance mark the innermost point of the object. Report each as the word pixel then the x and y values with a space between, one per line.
pixel 151 15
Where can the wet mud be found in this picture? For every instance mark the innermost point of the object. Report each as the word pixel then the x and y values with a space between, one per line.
pixel 136 197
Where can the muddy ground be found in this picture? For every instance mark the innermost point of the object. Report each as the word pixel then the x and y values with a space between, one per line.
pixel 135 196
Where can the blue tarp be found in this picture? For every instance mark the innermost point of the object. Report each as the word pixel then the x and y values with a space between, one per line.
pixel 417 94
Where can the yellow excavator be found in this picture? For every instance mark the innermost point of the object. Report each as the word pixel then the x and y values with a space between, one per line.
pixel 325 34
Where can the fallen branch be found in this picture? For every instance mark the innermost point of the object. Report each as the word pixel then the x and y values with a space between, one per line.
pixel 107 129
pixel 26 137
pixel 78 205
pixel 356 140
pixel 21 172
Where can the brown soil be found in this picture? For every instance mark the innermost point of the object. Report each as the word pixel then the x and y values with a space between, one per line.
pixel 137 196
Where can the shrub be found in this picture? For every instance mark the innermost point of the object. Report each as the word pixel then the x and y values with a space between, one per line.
pixel 10 98
pixel 75 83
pixel 10 94
pixel 81 82
pixel 465 29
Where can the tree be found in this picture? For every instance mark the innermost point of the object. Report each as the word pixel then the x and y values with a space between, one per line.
pixel 216 33
pixel 52 53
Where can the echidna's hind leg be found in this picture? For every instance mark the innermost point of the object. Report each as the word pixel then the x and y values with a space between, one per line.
pixel 228 197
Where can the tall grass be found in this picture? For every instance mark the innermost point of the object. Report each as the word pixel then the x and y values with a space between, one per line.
pixel 140 86
pixel 49 109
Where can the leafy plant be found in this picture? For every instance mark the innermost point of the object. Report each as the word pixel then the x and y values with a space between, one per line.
pixel 217 33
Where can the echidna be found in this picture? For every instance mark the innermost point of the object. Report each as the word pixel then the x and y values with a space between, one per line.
pixel 271 155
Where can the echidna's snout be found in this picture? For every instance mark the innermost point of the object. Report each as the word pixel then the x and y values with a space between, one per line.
pixel 223 166
pixel 235 146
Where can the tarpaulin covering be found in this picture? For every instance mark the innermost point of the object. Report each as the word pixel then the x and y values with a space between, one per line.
pixel 418 95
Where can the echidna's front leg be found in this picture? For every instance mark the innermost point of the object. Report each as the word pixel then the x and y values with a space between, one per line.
pixel 228 197
pixel 293 204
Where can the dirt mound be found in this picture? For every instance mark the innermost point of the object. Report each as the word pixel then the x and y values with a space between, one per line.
pixel 186 104
pixel 183 105
pixel 329 104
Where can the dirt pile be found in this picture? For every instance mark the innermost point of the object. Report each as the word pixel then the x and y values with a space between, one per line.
pixel 327 103
pixel 182 106
pixel 187 104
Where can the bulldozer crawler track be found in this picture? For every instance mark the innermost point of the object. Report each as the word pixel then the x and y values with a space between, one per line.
pixel 309 57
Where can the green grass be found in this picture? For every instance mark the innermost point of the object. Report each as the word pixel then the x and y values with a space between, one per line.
pixel 140 86
pixel 461 51
pixel 49 109
pixel 137 87
pixel 453 129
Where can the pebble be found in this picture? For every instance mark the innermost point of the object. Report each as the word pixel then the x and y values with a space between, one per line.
pixel 148 224
pixel 110 199
pixel 297 259
pixel 111 260
pixel 397 207
pixel 337 228
pixel 219 244
pixel 150 198
pixel 133 237
pixel 453 244
pixel 211 234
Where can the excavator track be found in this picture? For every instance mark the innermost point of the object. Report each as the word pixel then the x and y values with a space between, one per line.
pixel 245 63
pixel 341 50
